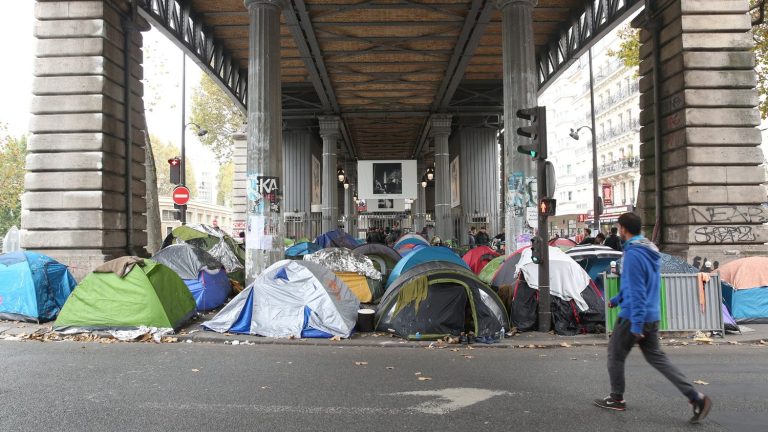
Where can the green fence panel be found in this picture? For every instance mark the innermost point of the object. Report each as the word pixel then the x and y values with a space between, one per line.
pixel 612 286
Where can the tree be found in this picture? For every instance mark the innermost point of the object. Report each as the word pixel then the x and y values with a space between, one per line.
pixel 214 111
pixel 162 152
pixel 226 179
pixel 629 52
pixel 13 152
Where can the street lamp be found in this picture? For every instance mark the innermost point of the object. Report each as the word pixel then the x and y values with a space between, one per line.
pixel 340 175
pixel 597 203
pixel 430 174
pixel 346 183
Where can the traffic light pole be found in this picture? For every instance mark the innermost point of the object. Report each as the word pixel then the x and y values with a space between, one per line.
pixel 183 172
pixel 545 314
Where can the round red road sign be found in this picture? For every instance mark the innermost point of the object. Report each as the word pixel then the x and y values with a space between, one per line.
pixel 180 195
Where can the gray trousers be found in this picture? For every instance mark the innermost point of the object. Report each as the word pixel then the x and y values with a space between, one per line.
pixel 621 343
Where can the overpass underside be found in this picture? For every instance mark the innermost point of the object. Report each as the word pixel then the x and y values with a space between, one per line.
pixel 346 80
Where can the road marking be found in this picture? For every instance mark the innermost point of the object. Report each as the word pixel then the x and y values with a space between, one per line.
pixel 451 399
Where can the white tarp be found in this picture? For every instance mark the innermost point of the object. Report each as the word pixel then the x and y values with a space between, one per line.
pixel 566 277
pixel 279 298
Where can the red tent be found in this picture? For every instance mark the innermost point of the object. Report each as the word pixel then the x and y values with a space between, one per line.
pixel 477 258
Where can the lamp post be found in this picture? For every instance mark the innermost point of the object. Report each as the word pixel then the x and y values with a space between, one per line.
pixel 200 132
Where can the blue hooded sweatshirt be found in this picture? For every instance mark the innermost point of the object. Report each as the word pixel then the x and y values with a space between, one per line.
pixel 639 297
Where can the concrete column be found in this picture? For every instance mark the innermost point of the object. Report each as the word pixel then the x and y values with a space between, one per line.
pixel 74 206
pixel 440 131
pixel 330 133
pixel 239 197
pixel 264 241
pixel 348 210
pixel 520 91
pixel 479 180
pixel 712 202
pixel 297 171
pixel 419 207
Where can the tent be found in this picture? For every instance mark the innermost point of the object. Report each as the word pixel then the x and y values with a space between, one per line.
pixel 384 258
pixel 507 271
pixel 566 278
pixel 411 238
pixel 201 272
pixel 477 258
pixel 747 306
pixel 563 243
pixel 298 250
pixel 337 238
pixel 595 259
pixel 490 269
pixel 217 243
pixel 291 299
pixel 428 254
pixel 33 287
pixel 746 273
pixel 149 295
pixel 435 299
pixel 409 248
pixel 354 269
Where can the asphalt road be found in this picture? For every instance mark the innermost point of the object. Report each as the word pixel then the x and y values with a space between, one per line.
pixel 194 387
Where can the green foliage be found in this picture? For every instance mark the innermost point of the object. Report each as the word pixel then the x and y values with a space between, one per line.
pixel 760 34
pixel 162 152
pixel 226 179
pixel 214 111
pixel 629 49
pixel 13 152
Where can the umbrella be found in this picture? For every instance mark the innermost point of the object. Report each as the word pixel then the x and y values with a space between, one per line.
pixel 580 253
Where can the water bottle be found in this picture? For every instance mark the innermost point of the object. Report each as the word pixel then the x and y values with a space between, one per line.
pixel 613 267
pixel 418 336
pixel 502 333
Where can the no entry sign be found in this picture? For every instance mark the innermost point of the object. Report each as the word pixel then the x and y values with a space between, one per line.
pixel 180 195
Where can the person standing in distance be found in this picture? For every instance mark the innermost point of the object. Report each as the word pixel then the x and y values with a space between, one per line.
pixel 638 321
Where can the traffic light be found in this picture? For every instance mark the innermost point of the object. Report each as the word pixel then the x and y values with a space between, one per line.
pixel 536 131
pixel 537 247
pixel 547 207
pixel 175 164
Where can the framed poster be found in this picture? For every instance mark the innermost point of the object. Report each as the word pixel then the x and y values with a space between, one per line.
pixel 387 179
pixel 317 197
pixel 455 189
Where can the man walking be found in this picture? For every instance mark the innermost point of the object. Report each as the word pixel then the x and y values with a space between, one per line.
pixel 613 240
pixel 638 321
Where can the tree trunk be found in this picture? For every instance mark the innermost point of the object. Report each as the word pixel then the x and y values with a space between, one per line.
pixel 154 234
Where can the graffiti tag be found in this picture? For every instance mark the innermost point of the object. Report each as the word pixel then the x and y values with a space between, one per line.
pixel 730 214
pixel 724 234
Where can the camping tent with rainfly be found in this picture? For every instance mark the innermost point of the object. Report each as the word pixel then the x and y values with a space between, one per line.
pixel 33 287
pixel 506 273
pixel 490 269
pixel 205 277
pixel 384 258
pixel 479 257
pixel 745 289
pixel 291 299
pixel 146 294
pixel 336 238
pixel 428 254
pixel 437 299
pixel 356 270
pixel 217 243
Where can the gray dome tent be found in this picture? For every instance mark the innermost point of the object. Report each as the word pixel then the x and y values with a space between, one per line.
pixel 437 299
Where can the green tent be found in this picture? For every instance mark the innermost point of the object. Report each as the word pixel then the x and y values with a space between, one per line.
pixel 486 274
pixel 151 295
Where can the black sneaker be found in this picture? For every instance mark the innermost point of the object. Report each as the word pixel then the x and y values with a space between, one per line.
pixel 611 404
pixel 701 409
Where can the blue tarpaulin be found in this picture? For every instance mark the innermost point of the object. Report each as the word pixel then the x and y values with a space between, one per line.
pixel 33 287
pixel 337 238
pixel 301 249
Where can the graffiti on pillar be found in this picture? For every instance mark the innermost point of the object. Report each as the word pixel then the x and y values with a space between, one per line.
pixel 269 189
pixel 255 200
pixel 516 189
pixel 714 234
pixel 532 192
pixel 699 262
pixel 730 214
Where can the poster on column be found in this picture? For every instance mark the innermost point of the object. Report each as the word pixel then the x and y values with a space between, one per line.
pixel 387 179
pixel 317 198
pixel 455 189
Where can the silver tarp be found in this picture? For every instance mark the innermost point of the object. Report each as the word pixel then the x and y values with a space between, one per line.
pixel 344 260
pixel 186 260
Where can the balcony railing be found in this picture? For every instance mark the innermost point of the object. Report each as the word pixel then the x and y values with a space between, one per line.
pixel 618 130
pixel 620 165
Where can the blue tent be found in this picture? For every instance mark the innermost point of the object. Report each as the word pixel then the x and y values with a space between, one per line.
pixel 427 254
pixel 210 289
pixel 337 238
pixel 301 249
pixel 410 240
pixel 33 287
pixel 203 274
pixel 747 306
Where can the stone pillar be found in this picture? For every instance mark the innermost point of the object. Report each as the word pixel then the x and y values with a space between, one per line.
pixel 520 91
pixel 440 131
pixel 74 206
pixel 712 194
pixel 479 180
pixel 330 133
pixel 239 190
pixel 297 171
pixel 348 222
pixel 420 205
pixel 264 238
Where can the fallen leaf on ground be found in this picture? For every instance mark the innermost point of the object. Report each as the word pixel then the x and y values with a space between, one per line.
pixel 733 342
pixel 390 367
pixel 423 378
pixel 417 373
pixel 168 339
pixel 565 344
pixel 469 357
pixel 531 346
pixel 685 343
pixel 700 382
pixel 336 338
pixel 265 387
pixel 542 355
pixel 574 358
pixel 195 370
pixel 361 363
pixel 762 342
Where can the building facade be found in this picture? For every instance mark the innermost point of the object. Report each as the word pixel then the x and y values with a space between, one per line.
pixel 617 129
pixel 197 212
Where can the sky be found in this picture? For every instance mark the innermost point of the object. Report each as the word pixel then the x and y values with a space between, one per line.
pixel 162 76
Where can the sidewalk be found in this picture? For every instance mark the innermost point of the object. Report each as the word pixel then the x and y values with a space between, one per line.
pixel 194 333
